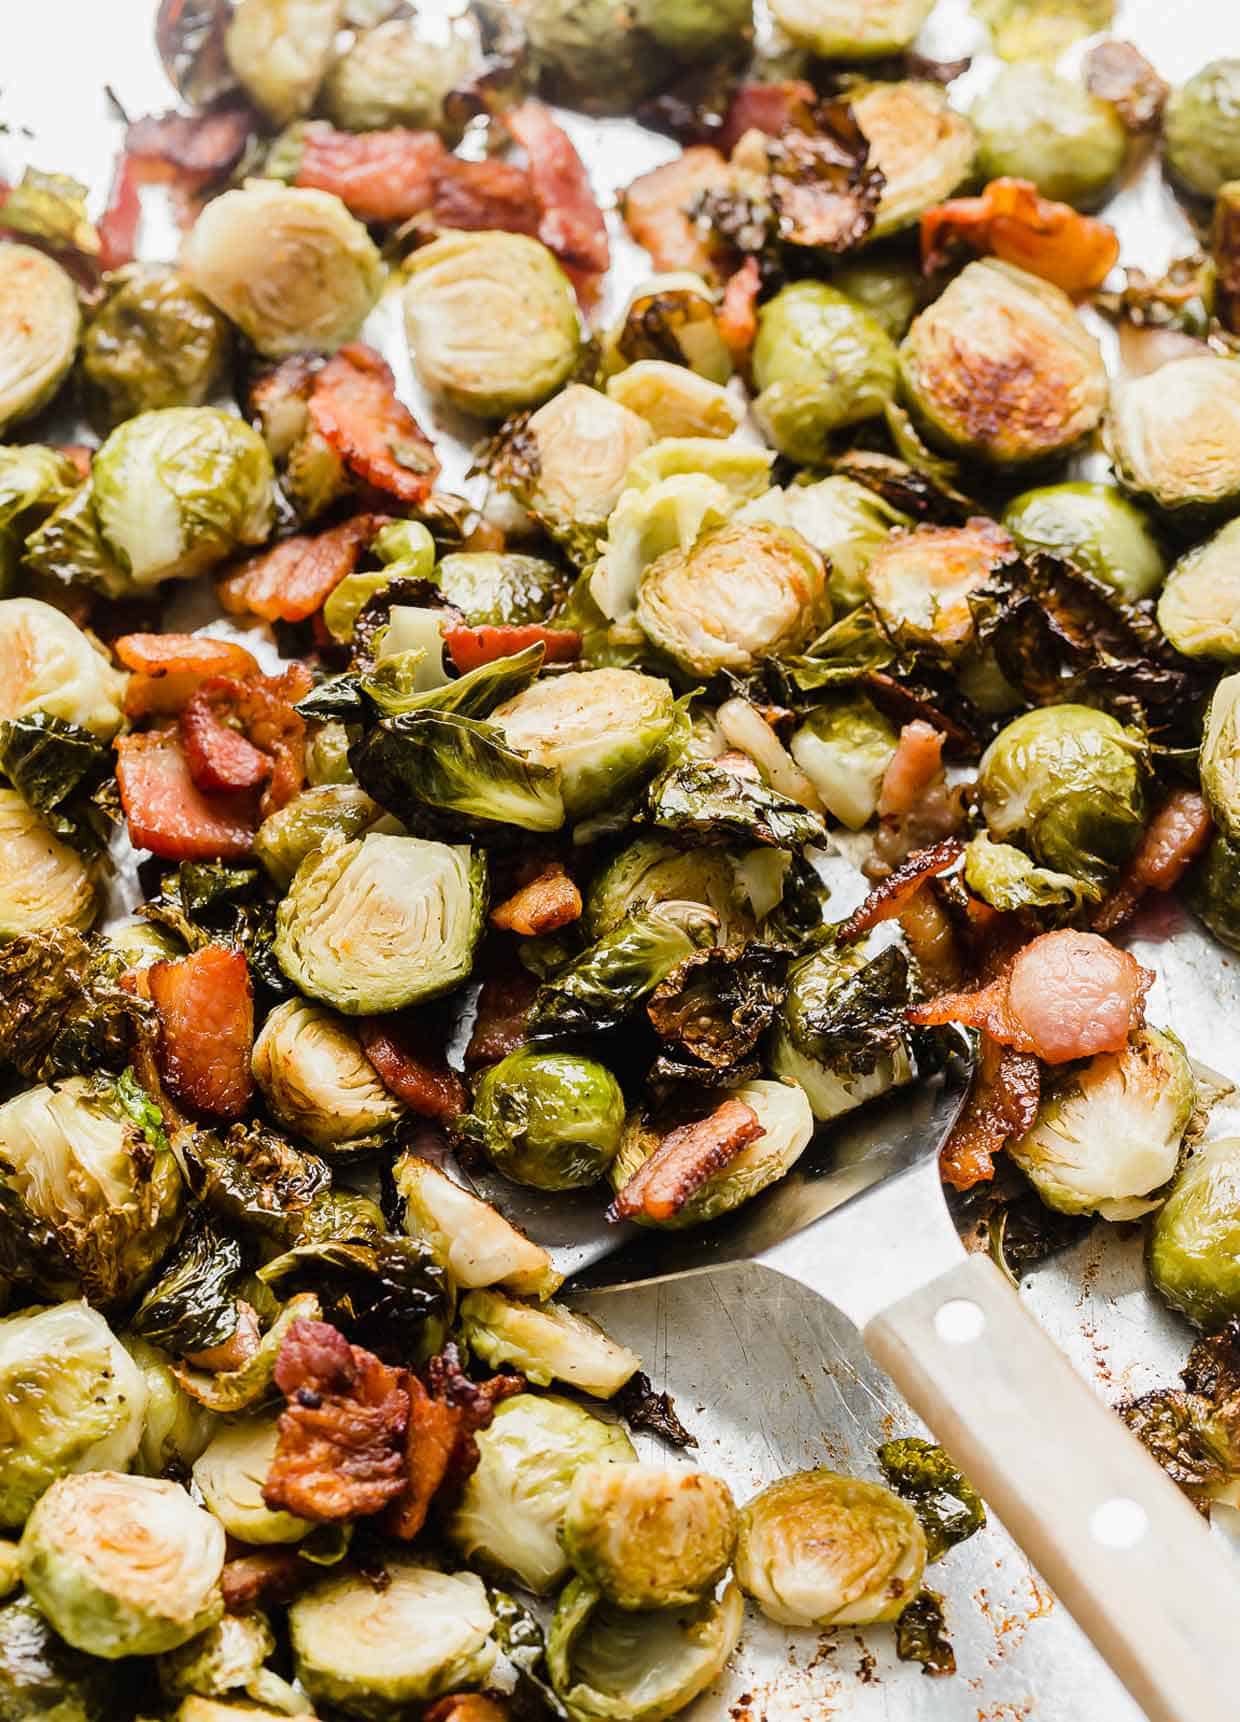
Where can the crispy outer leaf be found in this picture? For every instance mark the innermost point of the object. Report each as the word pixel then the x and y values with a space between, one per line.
pixel 192 1306
pixel 58 767
pixel 440 763
pixel 709 802
pixel 949 1507
pixel 606 983
pixel 716 1003
pixel 254 1178
pixel 51 207
pixel 852 1017
pixel 387 1293
pixel 921 1635
pixel 63 1011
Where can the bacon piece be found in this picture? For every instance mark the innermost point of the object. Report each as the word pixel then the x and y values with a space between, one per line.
pixel 656 210
pixel 408 1058
pixel 931 938
pixel 204 146
pixel 441 1449
pixel 295 579
pixel 220 758
pixel 267 707
pixel 889 899
pixel 470 648
pixel 1120 74
pixel 1011 220
pixel 1172 841
pixel 571 223
pixel 544 905
pixel 769 108
pixel 354 408
pixel 168 814
pixel 684 1160
pixel 264 1578
pixel 170 668
pixel 119 223
pixel 467 1707
pixel 380 176
pixel 270 743
pixel 1002 1103
pixel 504 1007
pixel 340 1451
pixel 737 316
pixel 916 763
pixel 206 1028
pixel 482 195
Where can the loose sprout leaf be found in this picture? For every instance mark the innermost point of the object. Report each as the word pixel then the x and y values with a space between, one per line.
pixel 948 1506
pixel 51 207
pixel 63 1011
pixel 606 983
pixel 189 35
pixel 252 1177
pixel 717 1003
pixel 643 1408
pixel 852 1017
pixel 921 1635
pixel 58 768
pixel 712 803
pixel 1194 1433
pixel 387 1294
pixel 427 764
pixel 192 1306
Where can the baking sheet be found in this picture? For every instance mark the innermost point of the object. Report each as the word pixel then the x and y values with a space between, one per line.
pixel 768 1377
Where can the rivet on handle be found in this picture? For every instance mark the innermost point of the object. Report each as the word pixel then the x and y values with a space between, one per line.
pixel 1119 1523
pixel 959 1321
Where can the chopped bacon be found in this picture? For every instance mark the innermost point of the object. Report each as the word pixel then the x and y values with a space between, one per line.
pixel 482 195
pixel 266 706
pixel 1120 74
pixel 684 1160
pixel 354 408
pixel 544 905
pixel 1002 1103
pixel 380 176
pixel 1066 995
pixel 220 758
pixel 467 1707
pixel 657 209
pixel 931 938
pixel 504 1007
pixel 1172 841
pixel 1012 221
pixel 263 1578
pixel 240 1348
pixel 769 108
pixel 470 648
pixel 170 668
pixel 294 579
pixel 204 146
pixel 408 1058
pixel 737 316
pixel 441 1449
pixel 889 899
pixel 119 223
pixel 268 744
pixel 168 814
pixel 916 763
pixel 571 223
pixel 206 1028
pixel 340 1451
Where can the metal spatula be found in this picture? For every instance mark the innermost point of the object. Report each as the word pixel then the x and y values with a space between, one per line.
pixel 863 1223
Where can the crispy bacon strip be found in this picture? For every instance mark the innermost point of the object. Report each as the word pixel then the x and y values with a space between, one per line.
pixel 219 757
pixel 295 579
pixel 169 668
pixel 1172 841
pixel 1011 220
pixel 119 223
pixel 340 1452
pixel 380 176
pixel 737 316
pixel 206 1029
pixel 544 905
pixel 353 406
pixel 684 1160
pixel 441 1449
pixel 470 648
pixel 269 744
pixel 504 1007
pixel 409 1060
pixel 1002 1103
pixel 769 108
pixel 572 223
pixel 916 763
pixel 264 1578
pixel 656 210
pixel 168 814
pixel 467 1707
pixel 204 146
pixel 480 195
pixel 891 897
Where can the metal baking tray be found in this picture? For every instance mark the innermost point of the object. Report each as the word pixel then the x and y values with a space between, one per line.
pixel 769 1378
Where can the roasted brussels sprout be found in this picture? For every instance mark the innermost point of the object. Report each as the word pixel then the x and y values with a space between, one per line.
pixel 817 1043
pixel 1069 782
pixel 290 267
pixel 1199 610
pixel 922 146
pixel 651 870
pixel 551 1120
pixel 40 1675
pixel 995 323
pixel 821 363
pixel 472 1241
pixel 154 342
pixel 175 1428
pixel 491 320
pixel 176 491
pixel 1193 1249
pixel 845 523
pixel 1219 760
pixel 674 401
pixel 651 521
pixel 818 1549
pixel 227 1658
pixel 546 1342
pixel 230 1474
pixel 1215 891
pixel 44 884
pixel 47 664
pixel 1033 124
pixel 509 1515
pixel 1174 435
pixel 920 582
pixel 1201 128
pixel 286 837
pixel 39 327
pixel 580 446
pixel 649 1537
pixel 852 29
pixel 399 74
pixel 381 922
pixel 123 1566
pixel 280 50
pixel 493 588
pixel 1095 527
pixel 844 747
pixel 604 731
pixel 694 29
pixel 671 317
pixel 568 44
pixel 742 471
pixel 317 1081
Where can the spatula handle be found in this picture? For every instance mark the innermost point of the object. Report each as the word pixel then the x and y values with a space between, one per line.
pixel 1121 1547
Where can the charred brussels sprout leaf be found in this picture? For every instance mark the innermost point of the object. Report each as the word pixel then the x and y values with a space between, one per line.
pixel 1202 128
pixel 843 1035
pixel 551 1120
pixel 600 988
pixel 154 342
pixel 192 1306
pixel 253 1178
pixel 1193 1258
pixel 821 363
pixel 715 1005
pixel 1194 1433
pixel 721 806
pixel 1095 527
pixel 63 1011
pixel 1174 436
pixel 673 318
pixel 60 770
pixel 387 1293
pixel 949 1508
pixel 1033 124
pixel 921 1635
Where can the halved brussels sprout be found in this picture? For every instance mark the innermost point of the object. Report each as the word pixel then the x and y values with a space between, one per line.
pixel 546 1342
pixel 1005 877
pixel 816 1043
pixel 175 1428
pixel 1108 1133
pixel 923 148
pixel 844 747
pixel 743 472
pixel 569 42
pixel 41 1675
pixel 491 321
pixel 227 1658
pixel 71 1399
pixel 671 317
pixel 1199 610
pixel 603 730
pixel 1002 368
pixel 651 521
pixel 509 1515
pixel 317 1081
pixel 376 1650
pixel 230 1474
pixel 1219 760
pixel 286 837
pixel 646 1536
pixel 920 582
pixel 581 445
pixel 650 870
pixel 1193 1249
pixel 1174 435
pixel 123 1566
pixel 47 664
pixel 845 523
pixel 280 50
pixel 379 923
pixel 1201 128
pixel 852 29
pixel 472 1241
pixel 399 74
pixel 178 490
pixel 291 267
pixel 694 29
pixel 821 363
pixel 551 1120
pixel 612 1665
pixel 737 596
pixel 1094 526
pixel 44 885
pixel 674 401
pixel 154 342
pixel 1033 124
pixel 39 327
pixel 491 587
pixel 1215 891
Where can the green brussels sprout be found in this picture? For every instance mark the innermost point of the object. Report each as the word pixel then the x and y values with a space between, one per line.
pixel 47 664
pixel 230 1473
pixel 379 923
pixel 1201 128
pixel 178 490
pixel 472 1241
pixel 604 731
pixel 374 1651
pixel 1193 1249
pixel 44 884
pixel 71 1399
pixel 844 747
pixel 1107 1135
pixel 569 40
pixel 650 521
pixel 1174 436
pixel 851 29
pixel 920 582
pixel 613 1665
pixel 1033 124
pixel 175 1428
pixel 227 1657
pixel 671 317
pixel 286 837
pixel 578 448
pixel 992 324
pixel 821 364
pixel 123 1566
pixel 1068 781
pixel 41 1675
pixel 400 73
pixel 1006 878
pixel 39 327
pixel 280 51
pixel 1095 527
pixel 88 1164
pixel 845 523
pixel 551 1120
pixel 817 1043
pixel 154 342
pixel 68 547
pixel 694 29
pixel 651 870
pixel 35 481
pixel 674 401
pixel 491 321
pixel 1199 610
pixel 547 1342
pixel 1215 891
pixel 742 472
pixel 509 1514
pixel 1219 760
pixel 646 1536
pixel 290 266
pixel 327 755
pixel 819 1549
pixel 741 594
pixel 887 284
pixel 494 588
pixel 923 148
pixel 318 1083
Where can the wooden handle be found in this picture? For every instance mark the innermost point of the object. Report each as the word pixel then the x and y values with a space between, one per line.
pixel 1111 1534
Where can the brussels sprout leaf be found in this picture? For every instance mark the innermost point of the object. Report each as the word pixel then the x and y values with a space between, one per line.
pixel 711 802
pixel 63 1011
pixel 606 983
pixel 643 1408
pixel 436 770
pixel 853 1020
pixel 948 1506
pixel 387 1293
pixel 716 1003
pixel 51 207
pixel 252 1177
pixel 141 1110
pixel 1005 877
pixel 1194 1432
pixel 921 1635
pixel 59 769
pixel 521 1638
pixel 192 1306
